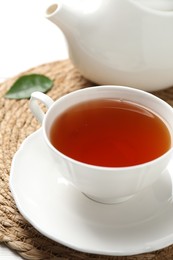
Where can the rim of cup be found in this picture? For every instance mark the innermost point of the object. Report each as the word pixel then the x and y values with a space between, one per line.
pixel 107 87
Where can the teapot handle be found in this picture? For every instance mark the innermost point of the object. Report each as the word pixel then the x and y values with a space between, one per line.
pixel 34 106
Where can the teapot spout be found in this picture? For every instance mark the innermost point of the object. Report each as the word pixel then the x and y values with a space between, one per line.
pixel 61 15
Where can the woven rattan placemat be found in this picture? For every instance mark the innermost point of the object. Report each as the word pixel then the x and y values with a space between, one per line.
pixel 16 123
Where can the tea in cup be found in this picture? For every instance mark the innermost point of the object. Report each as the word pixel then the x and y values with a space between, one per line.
pixel 111 141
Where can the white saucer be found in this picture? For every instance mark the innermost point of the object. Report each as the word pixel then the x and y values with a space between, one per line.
pixel 62 213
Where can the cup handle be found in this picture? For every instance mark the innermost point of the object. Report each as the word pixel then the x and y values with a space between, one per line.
pixel 34 106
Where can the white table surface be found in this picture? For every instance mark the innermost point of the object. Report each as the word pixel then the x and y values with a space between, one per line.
pixel 27 39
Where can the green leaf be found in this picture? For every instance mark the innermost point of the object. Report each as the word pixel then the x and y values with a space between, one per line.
pixel 25 85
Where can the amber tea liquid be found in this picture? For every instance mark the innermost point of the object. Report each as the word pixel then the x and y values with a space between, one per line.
pixel 110 133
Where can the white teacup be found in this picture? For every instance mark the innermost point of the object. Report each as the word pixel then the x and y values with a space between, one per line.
pixel 105 184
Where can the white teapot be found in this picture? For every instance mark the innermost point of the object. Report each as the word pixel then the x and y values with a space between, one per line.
pixel 119 42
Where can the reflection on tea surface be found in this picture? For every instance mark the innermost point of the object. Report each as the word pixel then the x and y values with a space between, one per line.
pixel 111 133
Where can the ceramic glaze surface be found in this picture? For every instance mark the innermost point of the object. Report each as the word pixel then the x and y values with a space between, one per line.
pixel 105 184
pixel 119 42
pixel 142 224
